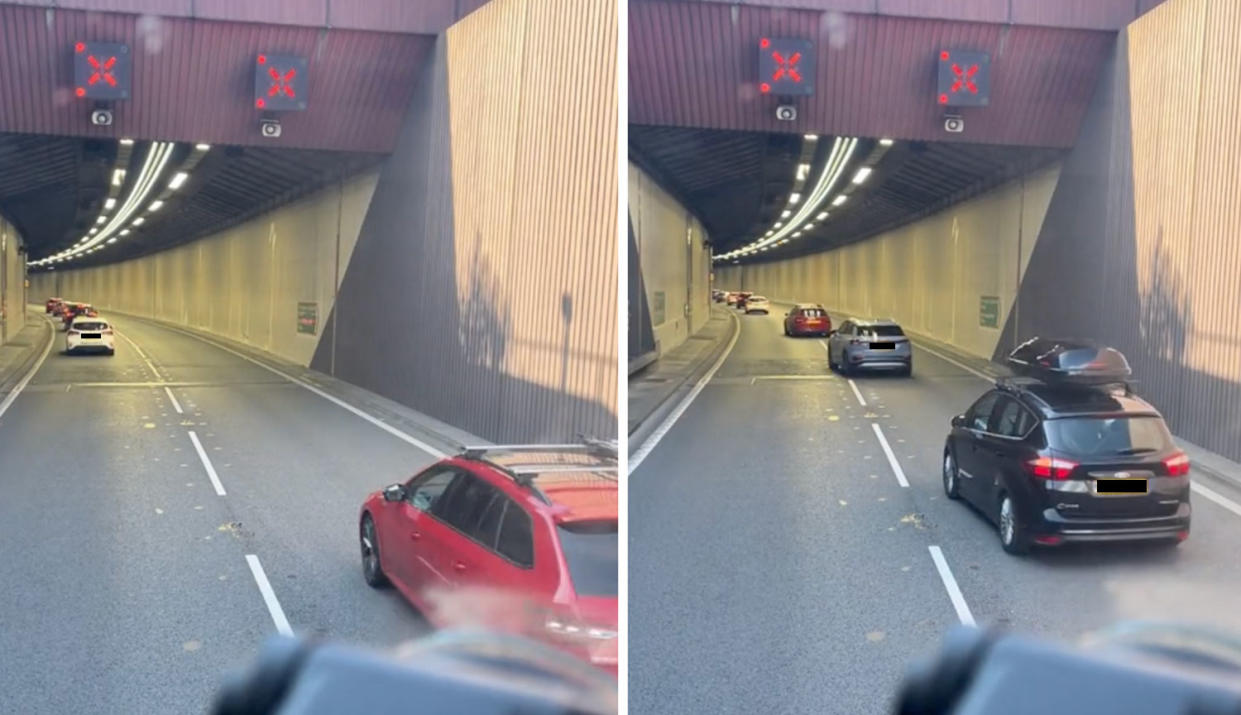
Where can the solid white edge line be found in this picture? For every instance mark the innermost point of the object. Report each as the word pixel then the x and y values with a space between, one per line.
pixel 950 585
pixel 636 458
pixel 175 405
pixel 887 449
pixel 961 365
pixel 17 390
pixel 1216 497
pixel 334 400
pixel 269 596
pixel 141 354
pixel 202 455
pixel 857 393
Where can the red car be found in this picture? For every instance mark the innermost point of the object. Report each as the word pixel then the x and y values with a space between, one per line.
pixel 53 304
pixel 72 310
pixel 807 319
pixel 520 539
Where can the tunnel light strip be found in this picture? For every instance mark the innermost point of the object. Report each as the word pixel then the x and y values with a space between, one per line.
pixel 152 167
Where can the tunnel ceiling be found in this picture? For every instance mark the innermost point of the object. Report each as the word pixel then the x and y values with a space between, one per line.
pixel 54 189
pixel 737 183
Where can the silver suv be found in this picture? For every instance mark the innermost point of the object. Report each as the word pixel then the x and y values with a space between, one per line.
pixel 876 343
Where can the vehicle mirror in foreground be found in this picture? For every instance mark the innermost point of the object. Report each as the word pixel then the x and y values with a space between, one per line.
pixel 831 332
pixel 958 420
pixel 396 492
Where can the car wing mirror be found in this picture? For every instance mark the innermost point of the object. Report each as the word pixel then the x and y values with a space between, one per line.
pixel 396 492
pixel 958 421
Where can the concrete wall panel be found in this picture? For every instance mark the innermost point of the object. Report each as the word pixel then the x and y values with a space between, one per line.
pixel 674 271
pixel 245 283
pixel 12 283
pixel 930 275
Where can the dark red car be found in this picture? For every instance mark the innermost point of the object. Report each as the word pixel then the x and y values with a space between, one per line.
pixel 520 539
pixel 807 319
pixel 69 311
pixel 53 304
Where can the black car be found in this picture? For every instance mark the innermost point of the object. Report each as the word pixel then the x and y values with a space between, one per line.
pixel 1072 456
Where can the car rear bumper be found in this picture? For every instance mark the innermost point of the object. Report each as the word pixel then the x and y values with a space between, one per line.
pixel 90 345
pixel 764 311
pixel 1114 529
pixel 880 362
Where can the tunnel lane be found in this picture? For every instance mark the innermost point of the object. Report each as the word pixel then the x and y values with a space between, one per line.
pixel 777 564
pixel 130 583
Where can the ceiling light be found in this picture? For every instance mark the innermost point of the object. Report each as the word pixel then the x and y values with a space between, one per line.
pixel 885 142
pixel 101 219
pixel 807 227
pixel 155 205
pixel 112 240
pixel 109 204
pixel 139 221
pixel 782 242
pixel 94 231
pixel 178 179
pixel 794 197
pixel 823 216
pixel 127 142
pixel 118 177
pixel 839 200
pixel 778 224
pixel 861 174
pixel 785 213
pixel 795 235
pixel 124 232
pixel 202 147
pixel 811 137
pixel 802 171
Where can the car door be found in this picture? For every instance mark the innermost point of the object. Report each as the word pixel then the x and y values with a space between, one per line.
pixel 1000 448
pixel 463 510
pixel 838 339
pixel 500 580
pixel 972 462
pixel 407 538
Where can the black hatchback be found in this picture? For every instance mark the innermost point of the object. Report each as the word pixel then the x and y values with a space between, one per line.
pixel 1052 462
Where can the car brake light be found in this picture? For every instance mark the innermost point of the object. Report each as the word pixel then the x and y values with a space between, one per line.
pixel 1051 468
pixel 1177 464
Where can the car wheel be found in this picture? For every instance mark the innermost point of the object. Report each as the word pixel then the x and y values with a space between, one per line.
pixel 1013 535
pixel 951 476
pixel 372 569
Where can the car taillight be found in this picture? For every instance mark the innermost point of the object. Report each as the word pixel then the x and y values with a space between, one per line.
pixel 1051 468
pixel 856 341
pixel 1177 464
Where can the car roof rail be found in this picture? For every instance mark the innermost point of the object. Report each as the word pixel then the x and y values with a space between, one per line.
pixel 1020 382
pixel 524 475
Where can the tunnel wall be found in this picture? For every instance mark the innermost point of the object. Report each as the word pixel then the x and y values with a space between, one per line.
pixel 247 283
pixel 931 275
pixel 12 282
pixel 674 259
pixel 484 287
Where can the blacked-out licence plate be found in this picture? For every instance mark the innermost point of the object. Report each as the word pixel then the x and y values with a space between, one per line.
pixel 1120 486
pixel 883 346
pixel 90 336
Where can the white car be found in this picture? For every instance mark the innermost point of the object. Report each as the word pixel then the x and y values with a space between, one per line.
pixel 90 334
pixel 757 304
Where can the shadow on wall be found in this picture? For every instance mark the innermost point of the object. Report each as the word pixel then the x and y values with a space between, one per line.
pixel 404 328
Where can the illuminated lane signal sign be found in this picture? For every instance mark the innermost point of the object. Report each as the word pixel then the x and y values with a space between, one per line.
pixel 101 70
pixel 786 66
pixel 280 82
pixel 964 79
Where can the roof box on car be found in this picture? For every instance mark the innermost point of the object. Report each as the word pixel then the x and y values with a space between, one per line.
pixel 1069 361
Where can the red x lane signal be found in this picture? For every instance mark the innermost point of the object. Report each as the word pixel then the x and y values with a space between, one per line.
pixel 101 70
pixel 785 66
pixel 964 79
pixel 280 82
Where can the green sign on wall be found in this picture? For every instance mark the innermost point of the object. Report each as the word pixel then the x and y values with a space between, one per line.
pixel 989 311
pixel 659 310
pixel 307 318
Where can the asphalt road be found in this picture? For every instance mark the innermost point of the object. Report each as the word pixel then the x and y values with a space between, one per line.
pixel 777 565
pixel 124 583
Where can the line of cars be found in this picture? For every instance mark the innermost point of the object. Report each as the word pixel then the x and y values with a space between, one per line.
pixel 745 301
pixel 84 329
pixel 519 538
pixel 1063 452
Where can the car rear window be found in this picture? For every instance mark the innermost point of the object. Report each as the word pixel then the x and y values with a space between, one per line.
pixel 756 299
pixel 881 331
pixel 1097 436
pixel 590 549
pixel 90 326
pixel 811 313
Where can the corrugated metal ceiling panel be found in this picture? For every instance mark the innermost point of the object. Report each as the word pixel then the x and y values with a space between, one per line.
pixel 192 79
pixel 695 64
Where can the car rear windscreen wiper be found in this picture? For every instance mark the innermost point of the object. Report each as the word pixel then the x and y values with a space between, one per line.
pixel 1136 450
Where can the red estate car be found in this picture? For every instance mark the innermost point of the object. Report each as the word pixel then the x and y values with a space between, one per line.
pixel 807 319
pixel 53 304
pixel 521 539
